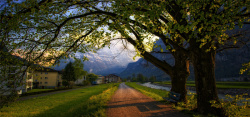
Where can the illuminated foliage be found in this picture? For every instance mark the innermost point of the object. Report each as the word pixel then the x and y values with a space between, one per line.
pixel 48 30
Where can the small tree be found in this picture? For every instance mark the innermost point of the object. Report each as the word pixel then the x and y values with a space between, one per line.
pixel 152 79
pixel 141 78
pixel 134 79
pixel 91 77
pixel 65 83
pixel 68 74
pixel 124 80
pixel 129 78
pixel 86 83
pixel 78 68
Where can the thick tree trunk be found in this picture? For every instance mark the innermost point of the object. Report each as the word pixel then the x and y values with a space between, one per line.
pixel 180 73
pixel 178 81
pixel 204 66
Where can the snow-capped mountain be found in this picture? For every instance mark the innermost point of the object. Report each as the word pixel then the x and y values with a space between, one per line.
pixel 105 61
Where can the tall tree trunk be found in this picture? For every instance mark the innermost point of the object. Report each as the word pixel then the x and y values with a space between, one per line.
pixel 180 73
pixel 204 68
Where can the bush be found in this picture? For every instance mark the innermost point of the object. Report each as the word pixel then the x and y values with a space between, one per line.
pixel 191 103
pixel 65 83
pixel 86 83
pixel 233 105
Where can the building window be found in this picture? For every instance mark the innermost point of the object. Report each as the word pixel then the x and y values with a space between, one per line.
pixel 41 83
pixel 36 80
pixel 46 82
pixel 46 73
pixel 46 77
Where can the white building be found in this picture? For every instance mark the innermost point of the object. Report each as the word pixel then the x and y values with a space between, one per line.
pixel 79 81
pixel 13 75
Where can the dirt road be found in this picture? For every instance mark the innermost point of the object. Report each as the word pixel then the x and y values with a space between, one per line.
pixel 128 102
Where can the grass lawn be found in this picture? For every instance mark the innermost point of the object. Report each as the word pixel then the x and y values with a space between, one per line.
pixel 38 90
pixel 88 101
pixel 245 85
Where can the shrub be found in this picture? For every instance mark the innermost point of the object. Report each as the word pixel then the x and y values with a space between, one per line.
pixel 190 104
pixel 65 83
pixel 86 83
pixel 233 105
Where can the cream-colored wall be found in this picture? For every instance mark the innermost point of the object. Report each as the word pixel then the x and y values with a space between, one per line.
pixel 29 80
pixel 52 78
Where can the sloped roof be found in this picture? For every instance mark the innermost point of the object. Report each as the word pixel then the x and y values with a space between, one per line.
pixel 9 59
pixel 46 69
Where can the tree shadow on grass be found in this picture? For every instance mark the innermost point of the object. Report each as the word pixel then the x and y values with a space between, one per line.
pixel 68 109
pixel 77 107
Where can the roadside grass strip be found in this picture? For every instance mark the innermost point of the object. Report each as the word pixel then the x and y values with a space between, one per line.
pixel 97 104
pixel 156 94
pixel 84 102
pixel 241 85
pixel 39 90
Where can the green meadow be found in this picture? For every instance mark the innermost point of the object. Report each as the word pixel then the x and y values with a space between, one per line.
pixel 242 85
pixel 90 101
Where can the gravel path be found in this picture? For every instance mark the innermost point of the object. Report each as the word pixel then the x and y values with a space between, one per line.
pixel 128 102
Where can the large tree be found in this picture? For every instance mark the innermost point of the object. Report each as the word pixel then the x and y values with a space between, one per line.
pixel 191 31
pixel 195 31
pixel 44 31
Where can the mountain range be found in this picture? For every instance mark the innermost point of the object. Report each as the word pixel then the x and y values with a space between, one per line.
pixel 228 64
pixel 105 61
